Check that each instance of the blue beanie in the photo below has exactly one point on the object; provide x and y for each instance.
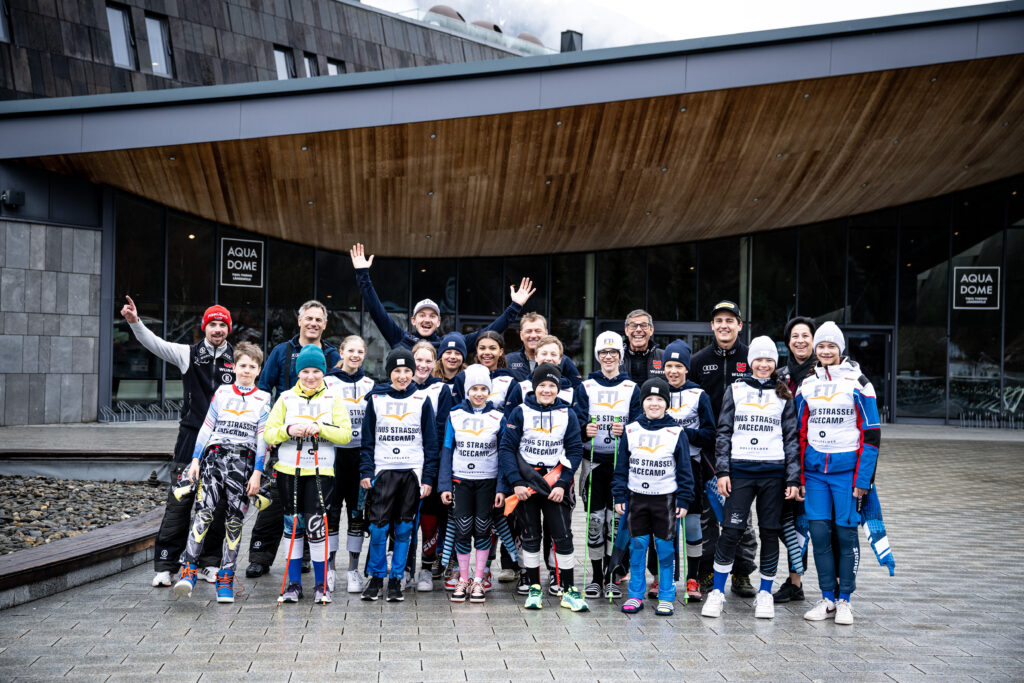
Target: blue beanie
(310, 357)
(453, 340)
(679, 352)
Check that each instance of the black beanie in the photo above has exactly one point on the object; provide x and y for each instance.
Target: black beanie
(544, 372)
(400, 357)
(655, 386)
(799, 320)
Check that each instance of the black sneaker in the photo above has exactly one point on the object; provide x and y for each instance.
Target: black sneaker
(742, 587)
(788, 592)
(255, 569)
(307, 566)
(373, 588)
(707, 582)
(395, 590)
(524, 584)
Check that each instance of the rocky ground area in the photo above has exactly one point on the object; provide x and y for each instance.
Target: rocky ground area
(38, 510)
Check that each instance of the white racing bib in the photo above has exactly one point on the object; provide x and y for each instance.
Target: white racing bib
(238, 417)
(757, 425)
(832, 414)
(475, 454)
(652, 462)
(354, 395)
(499, 390)
(682, 408)
(398, 441)
(566, 394)
(543, 441)
(607, 403)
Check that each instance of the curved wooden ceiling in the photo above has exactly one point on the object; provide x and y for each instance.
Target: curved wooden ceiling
(602, 176)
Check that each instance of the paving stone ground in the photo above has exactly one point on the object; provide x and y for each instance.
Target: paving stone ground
(954, 512)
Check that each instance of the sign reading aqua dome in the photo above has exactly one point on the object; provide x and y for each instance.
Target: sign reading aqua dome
(241, 262)
(976, 288)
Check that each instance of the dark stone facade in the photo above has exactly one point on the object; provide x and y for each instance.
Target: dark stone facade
(62, 48)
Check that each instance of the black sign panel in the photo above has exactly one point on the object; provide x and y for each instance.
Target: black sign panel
(976, 288)
(241, 262)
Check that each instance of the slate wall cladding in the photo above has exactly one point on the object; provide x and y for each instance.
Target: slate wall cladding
(61, 48)
(49, 323)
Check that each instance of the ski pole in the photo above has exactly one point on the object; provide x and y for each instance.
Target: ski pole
(590, 498)
(682, 524)
(323, 505)
(615, 466)
(295, 516)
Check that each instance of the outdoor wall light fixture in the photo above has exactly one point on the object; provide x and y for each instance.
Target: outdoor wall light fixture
(682, 110)
(430, 193)
(172, 158)
(433, 136)
(304, 148)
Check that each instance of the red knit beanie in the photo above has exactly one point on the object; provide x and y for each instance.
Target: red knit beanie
(217, 313)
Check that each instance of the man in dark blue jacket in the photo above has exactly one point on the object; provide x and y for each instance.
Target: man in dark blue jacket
(277, 377)
(532, 328)
(426, 314)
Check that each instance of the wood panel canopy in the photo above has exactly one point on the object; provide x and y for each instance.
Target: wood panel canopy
(602, 176)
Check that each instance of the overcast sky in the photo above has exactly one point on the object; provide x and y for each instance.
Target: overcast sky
(610, 23)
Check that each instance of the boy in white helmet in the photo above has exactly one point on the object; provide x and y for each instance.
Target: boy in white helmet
(606, 401)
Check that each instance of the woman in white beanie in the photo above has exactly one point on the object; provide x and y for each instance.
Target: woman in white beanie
(839, 439)
(757, 458)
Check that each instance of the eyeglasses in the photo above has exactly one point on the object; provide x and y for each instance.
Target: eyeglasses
(638, 326)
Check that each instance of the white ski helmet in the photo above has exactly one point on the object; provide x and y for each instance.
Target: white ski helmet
(608, 341)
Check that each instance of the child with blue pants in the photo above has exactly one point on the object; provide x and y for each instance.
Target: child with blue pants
(654, 477)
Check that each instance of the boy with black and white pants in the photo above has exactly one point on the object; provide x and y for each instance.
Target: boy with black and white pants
(655, 479)
(398, 468)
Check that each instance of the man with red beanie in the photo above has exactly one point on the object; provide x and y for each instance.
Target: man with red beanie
(204, 366)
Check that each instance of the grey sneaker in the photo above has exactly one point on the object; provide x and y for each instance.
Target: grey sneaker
(293, 593)
(321, 596)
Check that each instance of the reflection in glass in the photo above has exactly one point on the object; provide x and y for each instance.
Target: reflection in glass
(480, 291)
(535, 268)
(773, 294)
(718, 268)
(872, 268)
(671, 282)
(1013, 359)
(568, 286)
(434, 279)
(159, 45)
(122, 43)
(621, 276)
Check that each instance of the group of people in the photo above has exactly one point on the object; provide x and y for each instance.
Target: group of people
(484, 453)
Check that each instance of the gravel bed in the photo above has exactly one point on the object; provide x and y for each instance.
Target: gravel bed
(37, 510)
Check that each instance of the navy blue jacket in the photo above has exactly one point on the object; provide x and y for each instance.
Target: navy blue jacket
(508, 451)
(684, 475)
(582, 406)
(519, 365)
(278, 374)
(705, 435)
(396, 336)
(431, 454)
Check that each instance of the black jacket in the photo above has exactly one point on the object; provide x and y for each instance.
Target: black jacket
(519, 366)
(641, 366)
(715, 368)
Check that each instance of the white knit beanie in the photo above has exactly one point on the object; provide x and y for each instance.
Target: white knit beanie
(762, 347)
(608, 341)
(830, 332)
(477, 374)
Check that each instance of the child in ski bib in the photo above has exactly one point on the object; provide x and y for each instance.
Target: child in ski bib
(348, 379)
(840, 435)
(605, 402)
(228, 462)
(549, 350)
(307, 421)
(490, 353)
(542, 437)
(469, 477)
(690, 407)
(757, 457)
(398, 468)
(653, 486)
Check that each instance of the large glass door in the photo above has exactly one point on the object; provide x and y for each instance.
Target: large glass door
(872, 349)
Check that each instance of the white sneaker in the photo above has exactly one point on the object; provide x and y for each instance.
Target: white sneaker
(764, 605)
(332, 577)
(162, 579)
(713, 604)
(825, 609)
(409, 581)
(452, 581)
(844, 612)
(355, 581)
(424, 581)
(207, 574)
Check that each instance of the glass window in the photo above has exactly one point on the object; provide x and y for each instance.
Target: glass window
(122, 41)
(341, 324)
(1013, 359)
(139, 273)
(976, 335)
(568, 288)
(773, 294)
(284, 62)
(336, 281)
(621, 276)
(247, 304)
(923, 305)
(577, 336)
(159, 45)
(535, 268)
(290, 276)
(191, 280)
(5, 22)
(480, 287)
(435, 279)
(311, 65)
(872, 268)
(391, 280)
(672, 282)
(335, 67)
(822, 271)
(718, 271)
